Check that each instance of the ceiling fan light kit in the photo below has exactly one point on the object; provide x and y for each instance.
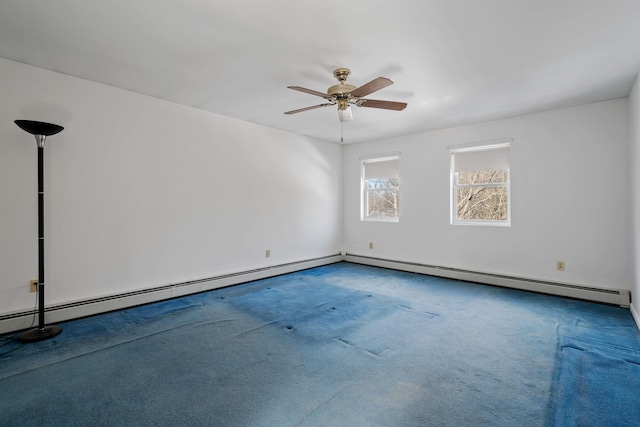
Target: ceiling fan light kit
(345, 115)
(344, 95)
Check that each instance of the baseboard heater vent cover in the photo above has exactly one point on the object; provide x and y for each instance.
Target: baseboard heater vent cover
(16, 321)
(608, 296)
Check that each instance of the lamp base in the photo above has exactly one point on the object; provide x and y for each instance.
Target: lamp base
(40, 334)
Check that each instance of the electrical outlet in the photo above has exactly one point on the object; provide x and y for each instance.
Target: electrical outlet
(267, 253)
(33, 286)
(560, 265)
(370, 245)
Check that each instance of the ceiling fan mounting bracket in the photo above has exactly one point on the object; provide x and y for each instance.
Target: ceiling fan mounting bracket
(342, 74)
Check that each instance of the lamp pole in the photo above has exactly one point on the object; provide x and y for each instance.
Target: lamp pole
(40, 130)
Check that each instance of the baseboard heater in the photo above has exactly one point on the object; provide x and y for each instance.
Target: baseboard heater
(608, 296)
(60, 312)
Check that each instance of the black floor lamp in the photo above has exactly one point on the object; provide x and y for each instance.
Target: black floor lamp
(40, 130)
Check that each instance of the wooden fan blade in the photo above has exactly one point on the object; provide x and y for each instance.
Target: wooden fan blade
(387, 105)
(310, 92)
(307, 108)
(372, 86)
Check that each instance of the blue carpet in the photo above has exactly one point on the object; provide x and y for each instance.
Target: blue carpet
(598, 374)
(340, 345)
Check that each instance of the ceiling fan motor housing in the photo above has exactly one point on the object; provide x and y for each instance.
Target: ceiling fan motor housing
(342, 94)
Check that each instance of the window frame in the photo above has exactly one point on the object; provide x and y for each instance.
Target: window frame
(454, 186)
(364, 190)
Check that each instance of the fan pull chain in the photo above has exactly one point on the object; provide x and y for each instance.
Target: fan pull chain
(341, 131)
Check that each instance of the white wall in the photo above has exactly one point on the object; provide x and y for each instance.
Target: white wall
(634, 117)
(570, 199)
(141, 192)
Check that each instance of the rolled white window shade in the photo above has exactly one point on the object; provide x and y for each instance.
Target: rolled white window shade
(477, 160)
(382, 169)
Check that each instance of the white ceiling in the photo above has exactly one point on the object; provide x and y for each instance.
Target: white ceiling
(453, 61)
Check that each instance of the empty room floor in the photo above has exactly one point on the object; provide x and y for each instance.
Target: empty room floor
(339, 345)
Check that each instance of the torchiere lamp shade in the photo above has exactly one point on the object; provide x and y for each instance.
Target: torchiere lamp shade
(38, 128)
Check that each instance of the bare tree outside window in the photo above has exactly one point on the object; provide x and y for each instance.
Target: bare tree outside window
(382, 198)
(482, 195)
(480, 183)
(381, 188)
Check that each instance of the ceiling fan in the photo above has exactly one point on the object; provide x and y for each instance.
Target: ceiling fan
(345, 95)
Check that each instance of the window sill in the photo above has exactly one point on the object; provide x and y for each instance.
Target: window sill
(483, 223)
(381, 220)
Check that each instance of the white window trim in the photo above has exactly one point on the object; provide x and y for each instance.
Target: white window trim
(363, 190)
(476, 146)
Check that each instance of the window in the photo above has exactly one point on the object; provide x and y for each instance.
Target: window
(381, 188)
(480, 184)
